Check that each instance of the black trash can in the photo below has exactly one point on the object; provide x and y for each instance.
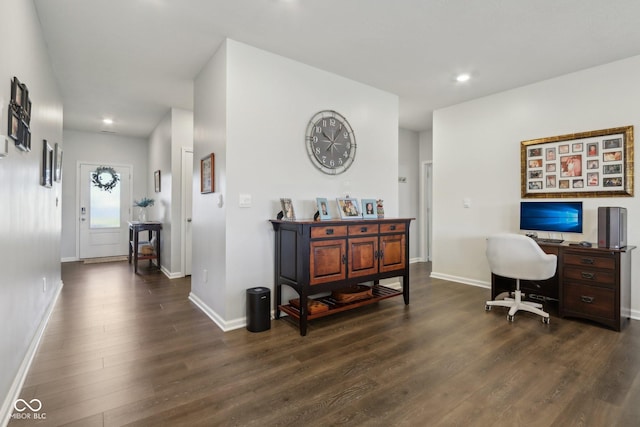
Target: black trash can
(258, 309)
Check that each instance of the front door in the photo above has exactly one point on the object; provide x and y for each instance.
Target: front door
(105, 209)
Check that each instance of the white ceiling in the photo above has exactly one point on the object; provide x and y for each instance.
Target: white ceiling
(132, 60)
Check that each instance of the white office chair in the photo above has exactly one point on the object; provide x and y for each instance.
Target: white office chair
(519, 257)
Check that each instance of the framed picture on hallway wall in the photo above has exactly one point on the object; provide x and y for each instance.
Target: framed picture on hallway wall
(207, 165)
(46, 179)
(156, 181)
(588, 164)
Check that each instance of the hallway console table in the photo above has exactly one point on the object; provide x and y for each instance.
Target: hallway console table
(590, 283)
(317, 258)
(135, 227)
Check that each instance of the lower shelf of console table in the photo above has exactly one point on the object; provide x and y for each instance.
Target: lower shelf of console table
(379, 293)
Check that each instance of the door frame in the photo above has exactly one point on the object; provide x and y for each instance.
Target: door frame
(425, 222)
(78, 189)
(185, 188)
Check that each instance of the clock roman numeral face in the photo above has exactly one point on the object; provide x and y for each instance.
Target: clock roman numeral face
(330, 142)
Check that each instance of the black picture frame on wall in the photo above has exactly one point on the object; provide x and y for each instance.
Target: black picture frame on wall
(17, 93)
(46, 180)
(25, 137)
(14, 126)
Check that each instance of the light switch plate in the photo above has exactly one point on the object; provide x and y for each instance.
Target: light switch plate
(4, 146)
(244, 200)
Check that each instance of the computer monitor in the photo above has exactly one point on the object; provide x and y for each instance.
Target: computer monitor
(561, 217)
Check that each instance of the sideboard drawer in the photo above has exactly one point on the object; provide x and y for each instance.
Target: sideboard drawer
(356, 230)
(392, 227)
(602, 277)
(589, 260)
(589, 300)
(328, 231)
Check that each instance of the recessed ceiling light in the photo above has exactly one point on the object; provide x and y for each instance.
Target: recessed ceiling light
(107, 121)
(463, 78)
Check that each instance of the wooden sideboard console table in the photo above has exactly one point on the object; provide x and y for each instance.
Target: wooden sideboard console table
(319, 257)
(135, 227)
(590, 283)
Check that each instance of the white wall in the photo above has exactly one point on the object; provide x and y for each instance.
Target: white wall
(481, 160)
(208, 274)
(408, 191)
(173, 132)
(29, 213)
(97, 147)
(268, 102)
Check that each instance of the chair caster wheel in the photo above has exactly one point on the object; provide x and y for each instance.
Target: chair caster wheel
(546, 320)
(487, 307)
(510, 318)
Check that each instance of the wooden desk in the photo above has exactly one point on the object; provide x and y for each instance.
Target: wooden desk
(590, 283)
(320, 257)
(135, 227)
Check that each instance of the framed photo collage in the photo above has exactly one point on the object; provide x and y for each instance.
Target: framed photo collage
(589, 164)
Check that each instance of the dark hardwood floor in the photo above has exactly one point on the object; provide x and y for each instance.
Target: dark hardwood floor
(125, 349)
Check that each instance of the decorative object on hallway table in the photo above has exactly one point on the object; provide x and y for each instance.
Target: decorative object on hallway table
(330, 141)
(287, 211)
(105, 178)
(156, 180)
(207, 169)
(323, 208)
(349, 208)
(19, 115)
(369, 210)
(46, 178)
(588, 164)
(142, 206)
(57, 163)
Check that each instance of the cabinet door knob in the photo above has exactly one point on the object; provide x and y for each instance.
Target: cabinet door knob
(344, 259)
(586, 299)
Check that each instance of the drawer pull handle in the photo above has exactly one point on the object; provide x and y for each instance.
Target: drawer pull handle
(586, 275)
(363, 229)
(344, 259)
(587, 261)
(392, 227)
(329, 231)
(586, 299)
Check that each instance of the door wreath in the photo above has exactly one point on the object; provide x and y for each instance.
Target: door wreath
(105, 184)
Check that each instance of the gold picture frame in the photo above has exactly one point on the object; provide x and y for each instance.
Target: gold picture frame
(207, 172)
(587, 164)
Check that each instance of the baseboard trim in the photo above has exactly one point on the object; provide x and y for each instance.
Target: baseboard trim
(458, 279)
(70, 259)
(171, 275)
(219, 321)
(16, 386)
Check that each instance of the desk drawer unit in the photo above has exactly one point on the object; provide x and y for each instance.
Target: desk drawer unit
(591, 286)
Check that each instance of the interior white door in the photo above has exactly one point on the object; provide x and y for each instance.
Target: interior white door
(187, 196)
(104, 210)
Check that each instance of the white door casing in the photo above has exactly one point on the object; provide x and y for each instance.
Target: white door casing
(187, 205)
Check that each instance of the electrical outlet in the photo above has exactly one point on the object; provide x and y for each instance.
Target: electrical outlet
(44, 284)
(205, 276)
